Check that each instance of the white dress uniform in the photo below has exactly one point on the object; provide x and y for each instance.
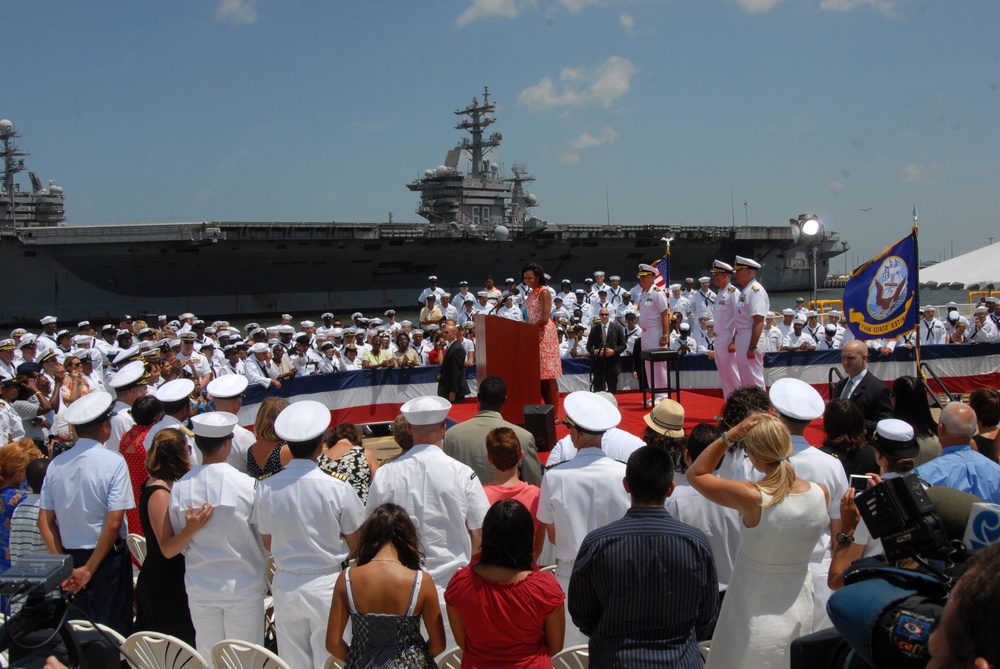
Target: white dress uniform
(291, 506)
(427, 291)
(578, 497)
(652, 303)
(753, 302)
(259, 372)
(568, 298)
(726, 305)
(121, 422)
(308, 364)
(617, 444)
(11, 426)
(703, 302)
(931, 331)
(793, 340)
(772, 338)
(200, 362)
(243, 439)
(983, 333)
(720, 524)
(224, 562)
(170, 421)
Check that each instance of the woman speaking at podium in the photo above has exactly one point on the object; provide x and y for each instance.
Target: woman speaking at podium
(538, 304)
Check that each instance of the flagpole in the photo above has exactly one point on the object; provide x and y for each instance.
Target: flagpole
(916, 294)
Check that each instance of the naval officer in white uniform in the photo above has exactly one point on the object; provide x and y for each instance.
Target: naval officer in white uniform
(309, 519)
(654, 319)
(128, 385)
(227, 394)
(224, 562)
(726, 304)
(753, 306)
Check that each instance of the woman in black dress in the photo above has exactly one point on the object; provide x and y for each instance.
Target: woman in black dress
(161, 598)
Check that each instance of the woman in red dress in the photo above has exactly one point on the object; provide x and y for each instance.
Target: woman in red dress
(538, 304)
(146, 411)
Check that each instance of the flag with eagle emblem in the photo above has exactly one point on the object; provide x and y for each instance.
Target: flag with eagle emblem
(880, 298)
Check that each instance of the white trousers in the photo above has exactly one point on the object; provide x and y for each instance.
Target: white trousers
(301, 612)
(574, 637)
(820, 569)
(218, 618)
(656, 375)
(729, 373)
(751, 369)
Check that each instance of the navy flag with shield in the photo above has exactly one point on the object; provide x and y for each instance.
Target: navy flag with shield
(880, 298)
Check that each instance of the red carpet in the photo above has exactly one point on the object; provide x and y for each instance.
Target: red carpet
(697, 409)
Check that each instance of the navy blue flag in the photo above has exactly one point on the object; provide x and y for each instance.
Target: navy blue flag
(880, 298)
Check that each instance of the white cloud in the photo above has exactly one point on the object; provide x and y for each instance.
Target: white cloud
(485, 8)
(607, 135)
(577, 5)
(237, 11)
(758, 5)
(837, 185)
(886, 7)
(569, 158)
(628, 23)
(582, 87)
(925, 175)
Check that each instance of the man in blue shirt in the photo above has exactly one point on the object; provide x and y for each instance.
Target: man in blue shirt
(959, 466)
(644, 588)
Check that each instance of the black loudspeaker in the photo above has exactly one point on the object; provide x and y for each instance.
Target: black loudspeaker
(540, 421)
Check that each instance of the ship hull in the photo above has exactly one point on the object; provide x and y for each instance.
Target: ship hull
(100, 273)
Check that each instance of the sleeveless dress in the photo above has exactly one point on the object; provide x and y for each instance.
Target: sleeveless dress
(384, 640)
(272, 466)
(548, 339)
(769, 602)
(160, 597)
(132, 449)
(354, 465)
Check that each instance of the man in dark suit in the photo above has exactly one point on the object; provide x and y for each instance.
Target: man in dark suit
(868, 392)
(605, 345)
(451, 381)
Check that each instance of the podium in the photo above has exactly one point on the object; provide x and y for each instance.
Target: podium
(509, 349)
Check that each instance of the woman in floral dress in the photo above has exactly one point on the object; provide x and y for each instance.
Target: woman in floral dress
(539, 307)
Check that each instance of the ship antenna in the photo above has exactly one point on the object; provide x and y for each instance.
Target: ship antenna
(607, 201)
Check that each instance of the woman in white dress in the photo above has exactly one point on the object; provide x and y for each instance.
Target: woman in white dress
(769, 602)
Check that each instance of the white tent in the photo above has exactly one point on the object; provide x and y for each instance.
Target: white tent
(974, 270)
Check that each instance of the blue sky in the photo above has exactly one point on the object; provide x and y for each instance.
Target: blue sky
(255, 110)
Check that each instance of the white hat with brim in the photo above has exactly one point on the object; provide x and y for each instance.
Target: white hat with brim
(302, 421)
(228, 386)
(125, 355)
(745, 263)
(89, 408)
(591, 412)
(174, 391)
(214, 425)
(48, 320)
(426, 410)
(796, 399)
(129, 375)
(259, 347)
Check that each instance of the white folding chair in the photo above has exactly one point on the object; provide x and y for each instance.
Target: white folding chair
(551, 569)
(236, 654)
(450, 659)
(137, 547)
(87, 626)
(574, 657)
(333, 663)
(704, 647)
(152, 650)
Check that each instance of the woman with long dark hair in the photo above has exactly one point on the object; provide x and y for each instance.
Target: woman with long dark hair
(502, 613)
(385, 597)
(909, 404)
(538, 304)
(847, 437)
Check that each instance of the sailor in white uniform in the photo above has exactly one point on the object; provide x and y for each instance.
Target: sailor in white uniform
(330, 362)
(195, 364)
(462, 296)
(128, 385)
(224, 561)
(753, 306)
(931, 329)
(633, 332)
(724, 346)
(177, 410)
(654, 319)
(259, 369)
(680, 303)
(567, 294)
(443, 496)
(289, 507)
(8, 370)
(47, 338)
(983, 330)
(830, 340)
(771, 334)
(308, 361)
(226, 393)
(798, 339)
(583, 494)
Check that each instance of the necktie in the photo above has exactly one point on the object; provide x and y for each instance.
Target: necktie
(846, 393)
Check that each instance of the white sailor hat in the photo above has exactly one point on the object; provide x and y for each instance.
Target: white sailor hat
(799, 299)
(109, 326)
(559, 297)
(667, 418)
(356, 314)
(307, 324)
(831, 328)
(198, 323)
(389, 312)
(704, 279)
(213, 329)
(258, 331)
(174, 391)
(615, 277)
(684, 327)
(833, 313)
(252, 326)
(788, 312)
(350, 332)
(796, 399)
(588, 280)
(991, 300)
(228, 386)
(208, 343)
(416, 332)
(214, 424)
(81, 339)
(598, 273)
(952, 305)
(811, 314)
(426, 410)
(981, 309)
(443, 296)
(286, 329)
(509, 280)
(337, 332)
(580, 291)
(675, 286)
(48, 320)
(302, 421)
(229, 350)
(7, 345)
(482, 293)
(327, 315)
(161, 317)
(259, 347)
(186, 315)
(719, 267)
(127, 354)
(799, 319)
(375, 322)
(745, 263)
(89, 408)
(26, 340)
(565, 281)
(590, 412)
(123, 333)
(711, 321)
(463, 283)
(18, 332)
(62, 333)
(431, 327)
(602, 291)
(325, 345)
(132, 374)
(286, 317)
(929, 307)
(431, 296)
(432, 278)
(894, 439)
(83, 325)
(174, 343)
(770, 316)
(645, 270)
(146, 345)
(631, 312)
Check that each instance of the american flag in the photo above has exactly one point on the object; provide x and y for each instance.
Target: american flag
(662, 276)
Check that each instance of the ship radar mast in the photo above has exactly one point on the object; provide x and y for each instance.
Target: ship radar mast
(480, 117)
(41, 207)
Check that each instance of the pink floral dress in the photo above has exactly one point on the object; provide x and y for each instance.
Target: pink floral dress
(548, 339)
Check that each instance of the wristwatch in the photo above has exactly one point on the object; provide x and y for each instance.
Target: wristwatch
(845, 538)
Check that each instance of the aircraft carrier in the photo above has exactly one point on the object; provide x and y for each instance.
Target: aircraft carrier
(478, 223)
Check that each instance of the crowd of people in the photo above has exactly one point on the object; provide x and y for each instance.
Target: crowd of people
(733, 534)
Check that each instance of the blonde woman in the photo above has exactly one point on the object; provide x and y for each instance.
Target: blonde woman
(769, 602)
(269, 454)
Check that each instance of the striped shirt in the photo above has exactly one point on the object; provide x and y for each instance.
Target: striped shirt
(645, 590)
(24, 535)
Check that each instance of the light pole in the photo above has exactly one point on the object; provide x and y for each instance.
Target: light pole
(746, 215)
(808, 229)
